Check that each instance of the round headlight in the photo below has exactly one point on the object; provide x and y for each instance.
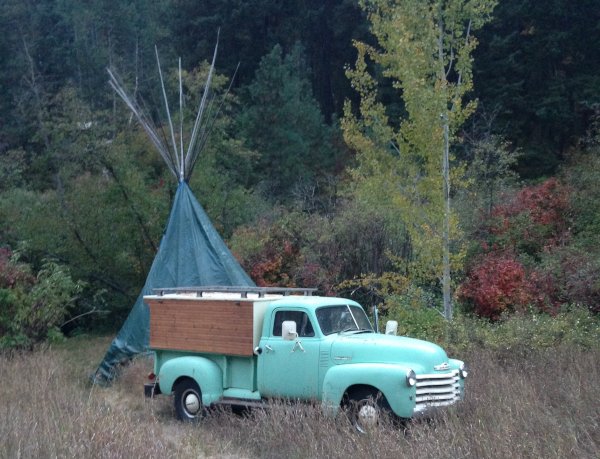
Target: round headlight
(411, 378)
(463, 371)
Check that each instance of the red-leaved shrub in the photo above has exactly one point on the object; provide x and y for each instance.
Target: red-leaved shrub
(535, 220)
(275, 264)
(532, 226)
(496, 283)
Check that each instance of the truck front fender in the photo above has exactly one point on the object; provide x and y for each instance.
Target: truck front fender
(205, 372)
(389, 379)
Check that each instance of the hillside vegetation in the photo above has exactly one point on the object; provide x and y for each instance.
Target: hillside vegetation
(305, 191)
(411, 155)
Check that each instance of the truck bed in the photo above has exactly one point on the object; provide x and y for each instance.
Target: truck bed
(201, 325)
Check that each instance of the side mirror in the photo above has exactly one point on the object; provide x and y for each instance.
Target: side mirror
(391, 327)
(288, 330)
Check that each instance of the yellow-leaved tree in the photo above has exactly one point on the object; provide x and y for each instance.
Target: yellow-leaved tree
(403, 165)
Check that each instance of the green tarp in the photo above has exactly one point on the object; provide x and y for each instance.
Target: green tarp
(191, 253)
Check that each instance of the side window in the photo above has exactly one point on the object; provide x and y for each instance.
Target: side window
(303, 325)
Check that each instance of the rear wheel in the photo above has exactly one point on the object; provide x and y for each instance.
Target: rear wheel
(188, 401)
(366, 408)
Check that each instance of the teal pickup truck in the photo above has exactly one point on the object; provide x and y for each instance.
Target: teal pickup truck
(243, 346)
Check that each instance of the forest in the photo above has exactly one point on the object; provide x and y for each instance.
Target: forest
(325, 167)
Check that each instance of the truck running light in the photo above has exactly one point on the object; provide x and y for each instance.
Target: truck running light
(463, 371)
(151, 376)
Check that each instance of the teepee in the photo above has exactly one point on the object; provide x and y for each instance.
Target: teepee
(191, 252)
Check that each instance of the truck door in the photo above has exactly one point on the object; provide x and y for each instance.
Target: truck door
(289, 368)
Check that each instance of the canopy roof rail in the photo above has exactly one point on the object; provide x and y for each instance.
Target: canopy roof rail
(242, 290)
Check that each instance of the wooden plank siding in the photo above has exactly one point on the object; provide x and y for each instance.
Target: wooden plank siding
(197, 325)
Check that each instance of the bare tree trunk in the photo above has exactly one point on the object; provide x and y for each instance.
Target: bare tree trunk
(446, 279)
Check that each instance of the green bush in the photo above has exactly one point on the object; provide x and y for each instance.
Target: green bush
(524, 332)
(513, 334)
(33, 307)
(416, 315)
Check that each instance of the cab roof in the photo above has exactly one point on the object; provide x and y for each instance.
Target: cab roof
(312, 302)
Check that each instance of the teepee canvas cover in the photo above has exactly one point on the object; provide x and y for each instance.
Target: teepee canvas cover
(191, 252)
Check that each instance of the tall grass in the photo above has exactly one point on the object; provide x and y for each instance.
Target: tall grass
(540, 404)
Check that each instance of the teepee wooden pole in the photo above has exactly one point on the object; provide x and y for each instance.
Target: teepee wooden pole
(162, 83)
(182, 168)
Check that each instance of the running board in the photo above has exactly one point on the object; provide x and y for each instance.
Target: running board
(227, 401)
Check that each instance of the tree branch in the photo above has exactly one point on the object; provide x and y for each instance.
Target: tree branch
(138, 217)
(93, 311)
(466, 43)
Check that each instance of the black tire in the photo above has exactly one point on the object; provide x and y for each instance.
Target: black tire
(188, 401)
(366, 409)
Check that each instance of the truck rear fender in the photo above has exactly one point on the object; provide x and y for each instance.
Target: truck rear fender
(205, 372)
(389, 379)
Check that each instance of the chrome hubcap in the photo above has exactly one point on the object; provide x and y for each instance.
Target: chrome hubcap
(191, 403)
(367, 417)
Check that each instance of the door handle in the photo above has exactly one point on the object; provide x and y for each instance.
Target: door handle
(268, 348)
(297, 344)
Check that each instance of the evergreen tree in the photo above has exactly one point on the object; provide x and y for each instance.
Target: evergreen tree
(539, 66)
(250, 29)
(283, 124)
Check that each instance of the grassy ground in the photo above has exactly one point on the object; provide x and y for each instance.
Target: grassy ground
(540, 404)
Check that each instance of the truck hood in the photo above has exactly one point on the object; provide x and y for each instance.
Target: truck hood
(421, 356)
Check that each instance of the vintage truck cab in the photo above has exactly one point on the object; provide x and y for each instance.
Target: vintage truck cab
(243, 346)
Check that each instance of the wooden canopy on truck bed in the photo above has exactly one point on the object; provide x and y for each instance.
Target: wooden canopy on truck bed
(216, 320)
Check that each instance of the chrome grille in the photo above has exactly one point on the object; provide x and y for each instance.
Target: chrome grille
(437, 389)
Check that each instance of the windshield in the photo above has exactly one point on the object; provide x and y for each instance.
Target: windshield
(345, 318)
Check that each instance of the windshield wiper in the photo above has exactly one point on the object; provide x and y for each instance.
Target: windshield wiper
(355, 331)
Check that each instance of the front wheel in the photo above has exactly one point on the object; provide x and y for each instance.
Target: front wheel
(188, 401)
(366, 409)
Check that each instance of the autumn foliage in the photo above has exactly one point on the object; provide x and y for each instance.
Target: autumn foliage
(281, 253)
(546, 204)
(496, 283)
(512, 272)
(274, 265)
(535, 220)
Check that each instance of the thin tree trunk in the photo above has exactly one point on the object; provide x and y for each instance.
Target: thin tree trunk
(446, 277)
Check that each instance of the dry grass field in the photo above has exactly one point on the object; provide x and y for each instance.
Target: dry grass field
(543, 404)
